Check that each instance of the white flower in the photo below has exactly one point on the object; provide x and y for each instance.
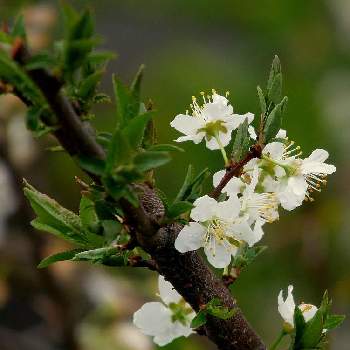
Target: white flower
(214, 121)
(218, 228)
(286, 308)
(297, 177)
(258, 206)
(168, 320)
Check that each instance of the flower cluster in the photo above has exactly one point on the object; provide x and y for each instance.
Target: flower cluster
(247, 202)
(166, 320)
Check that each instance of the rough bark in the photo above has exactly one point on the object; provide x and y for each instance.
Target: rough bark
(187, 272)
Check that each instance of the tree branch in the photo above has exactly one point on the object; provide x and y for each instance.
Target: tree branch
(187, 272)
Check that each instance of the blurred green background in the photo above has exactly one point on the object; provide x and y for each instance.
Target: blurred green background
(187, 47)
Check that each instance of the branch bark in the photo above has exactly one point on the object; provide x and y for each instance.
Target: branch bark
(187, 272)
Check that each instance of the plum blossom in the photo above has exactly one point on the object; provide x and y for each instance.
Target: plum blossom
(217, 227)
(214, 121)
(296, 178)
(286, 308)
(166, 320)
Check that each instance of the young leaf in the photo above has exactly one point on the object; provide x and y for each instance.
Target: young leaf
(92, 165)
(135, 129)
(261, 100)
(274, 120)
(299, 327)
(19, 28)
(135, 89)
(150, 160)
(241, 142)
(333, 321)
(274, 71)
(178, 208)
(87, 214)
(62, 256)
(216, 309)
(199, 320)
(109, 256)
(89, 85)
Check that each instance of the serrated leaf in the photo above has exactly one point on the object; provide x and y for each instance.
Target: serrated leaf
(88, 86)
(274, 120)
(275, 70)
(135, 129)
(178, 208)
(241, 142)
(12, 73)
(199, 320)
(62, 256)
(87, 214)
(109, 256)
(165, 148)
(261, 100)
(274, 94)
(119, 152)
(150, 160)
(92, 165)
(333, 321)
(59, 221)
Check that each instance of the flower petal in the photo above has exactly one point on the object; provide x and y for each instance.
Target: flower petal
(286, 307)
(152, 318)
(217, 177)
(204, 208)
(308, 311)
(274, 150)
(167, 292)
(252, 132)
(187, 124)
(190, 238)
(229, 209)
(218, 253)
(318, 155)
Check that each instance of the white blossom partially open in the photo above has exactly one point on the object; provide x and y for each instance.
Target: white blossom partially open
(296, 178)
(168, 320)
(214, 121)
(286, 308)
(218, 227)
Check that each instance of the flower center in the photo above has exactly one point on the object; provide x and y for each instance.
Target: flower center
(180, 312)
(265, 203)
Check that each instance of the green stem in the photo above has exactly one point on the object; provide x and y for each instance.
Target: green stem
(278, 340)
(222, 149)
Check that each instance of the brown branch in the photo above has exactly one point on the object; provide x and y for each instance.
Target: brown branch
(187, 272)
(235, 169)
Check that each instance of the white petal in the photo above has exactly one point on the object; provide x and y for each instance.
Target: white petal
(234, 186)
(175, 331)
(274, 150)
(311, 167)
(218, 253)
(190, 238)
(187, 124)
(225, 138)
(252, 132)
(152, 318)
(308, 311)
(220, 99)
(229, 209)
(282, 134)
(204, 208)
(244, 232)
(167, 292)
(298, 185)
(318, 155)
(217, 177)
(286, 307)
(237, 119)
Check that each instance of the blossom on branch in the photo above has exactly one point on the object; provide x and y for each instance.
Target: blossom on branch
(214, 121)
(166, 320)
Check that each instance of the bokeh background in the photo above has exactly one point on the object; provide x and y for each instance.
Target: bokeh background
(187, 46)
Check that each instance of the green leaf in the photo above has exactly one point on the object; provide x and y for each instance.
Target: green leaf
(215, 308)
(87, 214)
(92, 165)
(135, 89)
(299, 327)
(179, 208)
(150, 160)
(119, 152)
(241, 143)
(199, 320)
(62, 256)
(88, 86)
(261, 100)
(12, 73)
(59, 221)
(274, 120)
(34, 120)
(19, 28)
(275, 93)
(135, 129)
(165, 148)
(42, 60)
(274, 71)
(313, 330)
(109, 256)
(333, 321)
